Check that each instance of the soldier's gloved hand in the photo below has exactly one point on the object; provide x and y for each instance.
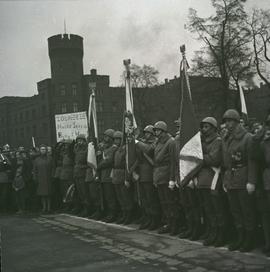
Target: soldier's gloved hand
(127, 184)
(250, 188)
(171, 184)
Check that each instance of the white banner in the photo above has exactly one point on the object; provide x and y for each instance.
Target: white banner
(70, 125)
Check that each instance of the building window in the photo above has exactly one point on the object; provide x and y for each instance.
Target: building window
(101, 126)
(62, 90)
(33, 113)
(64, 108)
(43, 110)
(75, 107)
(22, 132)
(99, 106)
(74, 89)
(34, 130)
(45, 128)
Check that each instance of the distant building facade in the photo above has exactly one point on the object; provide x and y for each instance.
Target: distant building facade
(68, 90)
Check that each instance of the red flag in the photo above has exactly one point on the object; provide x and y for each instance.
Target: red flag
(191, 155)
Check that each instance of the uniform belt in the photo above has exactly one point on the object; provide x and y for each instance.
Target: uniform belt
(161, 164)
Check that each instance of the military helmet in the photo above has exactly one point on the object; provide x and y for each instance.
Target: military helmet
(210, 120)
(109, 132)
(160, 125)
(231, 114)
(149, 129)
(118, 135)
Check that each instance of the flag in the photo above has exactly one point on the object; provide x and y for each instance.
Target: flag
(243, 102)
(92, 113)
(129, 122)
(191, 155)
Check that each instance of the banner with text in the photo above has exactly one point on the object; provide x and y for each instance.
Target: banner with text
(70, 125)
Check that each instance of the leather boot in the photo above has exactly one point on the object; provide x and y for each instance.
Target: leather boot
(221, 237)
(145, 224)
(128, 219)
(121, 219)
(248, 244)
(164, 229)
(239, 241)
(195, 233)
(97, 215)
(186, 234)
(174, 227)
(155, 223)
(211, 238)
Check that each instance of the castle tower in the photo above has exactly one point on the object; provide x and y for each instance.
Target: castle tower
(66, 57)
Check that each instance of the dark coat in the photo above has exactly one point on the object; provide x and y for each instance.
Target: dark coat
(80, 161)
(238, 162)
(106, 163)
(212, 157)
(164, 160)
(265, 147)
(67, 168)
(145, 159)
(42, 172)
(119, 165)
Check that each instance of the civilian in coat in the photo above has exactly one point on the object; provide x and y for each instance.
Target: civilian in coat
(42, 171)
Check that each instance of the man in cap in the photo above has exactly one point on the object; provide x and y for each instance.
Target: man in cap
(104, 168)
(79, 173)
(239, 180)
(164, 177)
(148, 192)
(209, 183)
(121, 181)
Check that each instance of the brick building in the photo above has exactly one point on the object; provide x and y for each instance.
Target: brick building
(68, 91)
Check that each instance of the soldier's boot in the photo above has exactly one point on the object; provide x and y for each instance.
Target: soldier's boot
(111, 217)
(174, 227)
(164, 229)
(155, 223)
(186, 234)
(196, 233)
(129, 218)
(206, 233)
(238, 242)
(83, 212)
(210, 240)
(221, 237)
(248, 244)
(97, 215)
(146, 223)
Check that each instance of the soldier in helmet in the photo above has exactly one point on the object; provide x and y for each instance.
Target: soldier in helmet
(209, 184)
(149, 196)
(79, 173)
(104, 167)
(164, 177)
(239, 180)
(121, 181)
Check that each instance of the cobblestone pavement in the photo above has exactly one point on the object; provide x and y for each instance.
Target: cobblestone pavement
(69, 243)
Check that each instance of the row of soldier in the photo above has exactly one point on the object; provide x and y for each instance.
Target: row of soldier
(234, 212)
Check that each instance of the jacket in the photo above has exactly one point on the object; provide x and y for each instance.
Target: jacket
(106, 163)
(80, 161)
(119, 165)
(212, 157)
(238, 163)
(145, 160)
(164, 160)
(265, 147)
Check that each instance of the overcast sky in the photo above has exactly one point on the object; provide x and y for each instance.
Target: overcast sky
(147, 31)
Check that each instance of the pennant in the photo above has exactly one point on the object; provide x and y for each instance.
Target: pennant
(129, 122)
(243, 103)
(191, 155)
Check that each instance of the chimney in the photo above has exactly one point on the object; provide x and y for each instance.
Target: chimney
(93, 72)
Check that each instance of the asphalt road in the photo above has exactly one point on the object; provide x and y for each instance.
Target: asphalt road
(64, 243)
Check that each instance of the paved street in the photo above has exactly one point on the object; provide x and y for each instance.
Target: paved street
(67, 243)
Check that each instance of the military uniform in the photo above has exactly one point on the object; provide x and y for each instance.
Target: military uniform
(239, 169)
(148, 192)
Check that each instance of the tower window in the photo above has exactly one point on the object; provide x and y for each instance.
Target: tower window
(75, 107)
(62, 90)
(64, 108)
(74, 89)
